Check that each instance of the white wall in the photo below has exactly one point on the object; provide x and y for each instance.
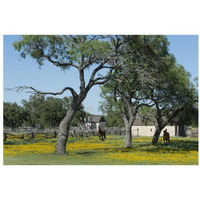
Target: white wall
(150, 130)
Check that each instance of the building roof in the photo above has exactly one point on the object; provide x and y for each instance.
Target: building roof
(95, 118)
(139, 121)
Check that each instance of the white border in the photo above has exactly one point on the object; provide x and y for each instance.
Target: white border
(98, 17)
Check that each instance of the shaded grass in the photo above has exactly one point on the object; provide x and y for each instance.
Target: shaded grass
(92, 151)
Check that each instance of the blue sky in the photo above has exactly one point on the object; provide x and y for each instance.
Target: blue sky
(185, 49)
(25, 72)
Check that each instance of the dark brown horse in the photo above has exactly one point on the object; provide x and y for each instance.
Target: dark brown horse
(101, 133)
(166, 136)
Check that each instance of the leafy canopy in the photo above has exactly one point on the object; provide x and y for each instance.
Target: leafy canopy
(63, 51)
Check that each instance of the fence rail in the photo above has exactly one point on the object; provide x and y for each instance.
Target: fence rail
(38, 134)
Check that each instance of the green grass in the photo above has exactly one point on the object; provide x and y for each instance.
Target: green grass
(92, 151)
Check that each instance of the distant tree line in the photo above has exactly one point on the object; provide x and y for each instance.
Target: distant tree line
(39, 111)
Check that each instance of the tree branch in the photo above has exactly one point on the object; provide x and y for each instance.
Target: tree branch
(35, 91)
(96, 81)
(101, 66)
(169, 119)
(60, 64)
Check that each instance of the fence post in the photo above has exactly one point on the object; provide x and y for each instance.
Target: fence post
(22, 136)
(26, 134)
(87, 133)
(46, 134)
(4, 136)
(32, 134)
(55, 133)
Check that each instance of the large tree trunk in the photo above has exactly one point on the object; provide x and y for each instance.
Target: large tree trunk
(128, 119)
(64, 132)
(128, 136)
(65, 126)
(62, 138)
(156, 136)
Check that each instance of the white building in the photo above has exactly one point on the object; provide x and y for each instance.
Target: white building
(145, 130)
(141, 128)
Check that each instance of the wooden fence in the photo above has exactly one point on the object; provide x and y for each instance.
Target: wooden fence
(194, 134)
(39, 134)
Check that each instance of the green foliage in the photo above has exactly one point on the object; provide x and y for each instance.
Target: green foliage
(52, 112)
(150, 76)
(13, 115)
(63, 50)
(110, 108)
(113, 119)
(143, 72)
(130, 84)
(33, 110)
(189, 116)
(174, 92)
(38, 110)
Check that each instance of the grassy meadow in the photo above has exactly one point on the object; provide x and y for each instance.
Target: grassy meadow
(92, 151)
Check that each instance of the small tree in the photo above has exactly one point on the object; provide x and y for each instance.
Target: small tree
(33, 110)
(13, 115)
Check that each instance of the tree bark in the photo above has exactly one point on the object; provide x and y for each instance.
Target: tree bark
(64, 133)
(156, 136)
(128, 136)
(65, 126)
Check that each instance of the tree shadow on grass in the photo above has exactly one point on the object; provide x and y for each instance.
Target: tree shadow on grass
(173, 146)
(86, 152)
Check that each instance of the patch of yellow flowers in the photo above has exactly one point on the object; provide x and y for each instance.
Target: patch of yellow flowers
(111, 150)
